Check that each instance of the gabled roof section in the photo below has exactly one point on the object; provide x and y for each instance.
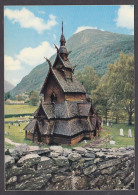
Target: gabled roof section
(65, 63)
(39, 111)
(67, 109)
(47, 108)
(69, 85)
(31, 126)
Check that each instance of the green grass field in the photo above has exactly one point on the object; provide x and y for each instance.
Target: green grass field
(19, 109)
(15, 135)
(114, 133)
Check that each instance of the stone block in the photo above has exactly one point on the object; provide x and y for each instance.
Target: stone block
(34, 183)
(29, 160)
(56, 149)
(11, 180)
(9, 161)
(79, 150)
(45, 163)
(109, 163)
(15, 171)
(74, 157)
(89, 170)
(61, 161)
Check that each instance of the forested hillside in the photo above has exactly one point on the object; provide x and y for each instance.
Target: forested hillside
(89, 48)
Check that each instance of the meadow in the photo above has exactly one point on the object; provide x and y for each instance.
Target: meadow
(19, 109)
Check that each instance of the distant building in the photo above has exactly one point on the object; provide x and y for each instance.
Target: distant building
(14, 101)
(66, 116)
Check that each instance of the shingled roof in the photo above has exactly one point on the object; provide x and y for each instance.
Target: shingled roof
(65, 63)
(70, 127)
(73, 86)
(47, 108)
(67, 109)
(31, 126)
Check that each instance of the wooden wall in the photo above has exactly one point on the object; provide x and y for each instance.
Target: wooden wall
(77, 139)
(29, 136)
(53, 86)
(60, 140)
(75, 96)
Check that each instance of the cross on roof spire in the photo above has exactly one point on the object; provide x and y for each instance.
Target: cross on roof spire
(62, 38)
(62, 27)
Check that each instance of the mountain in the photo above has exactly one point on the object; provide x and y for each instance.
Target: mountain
(8, 86)
(89, 48)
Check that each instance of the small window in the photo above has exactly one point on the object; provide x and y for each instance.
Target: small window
(53, 97)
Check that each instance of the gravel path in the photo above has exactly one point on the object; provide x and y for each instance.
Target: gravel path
(11, 142)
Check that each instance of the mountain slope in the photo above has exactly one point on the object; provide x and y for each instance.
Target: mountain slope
(89, 48)
(8, 86)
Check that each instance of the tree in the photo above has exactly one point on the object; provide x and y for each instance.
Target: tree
(34, 98)
(7, 96)
(88, 78)
(20, 98)
(120, 82)
(100, 98)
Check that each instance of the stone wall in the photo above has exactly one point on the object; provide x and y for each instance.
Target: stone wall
(57, 168)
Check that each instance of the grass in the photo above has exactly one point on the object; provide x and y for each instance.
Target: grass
(12, 119)
(19, 109)
(15, 135)
(8, 146)
(114, 133)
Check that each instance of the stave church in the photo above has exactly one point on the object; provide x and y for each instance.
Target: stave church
(66, 114)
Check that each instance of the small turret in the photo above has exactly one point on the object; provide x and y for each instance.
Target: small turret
(62, 50)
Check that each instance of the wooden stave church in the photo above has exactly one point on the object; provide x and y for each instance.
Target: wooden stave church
(66, 116)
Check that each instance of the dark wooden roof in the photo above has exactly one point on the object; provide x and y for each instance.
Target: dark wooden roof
(48, 109)
(65, 63)
(31, 126)
(62, 127)
(70, 127)
(73, 86)
(67, 109)
(84, 109)
(67, 85)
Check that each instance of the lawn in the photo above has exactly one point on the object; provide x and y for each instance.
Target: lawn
(19, 109)
(17, 134)
(114, 133)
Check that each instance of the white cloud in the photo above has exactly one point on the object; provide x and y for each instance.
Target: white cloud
(11, 64)
(125, 17)
(27, 19)
(81, 28)
(34, 56)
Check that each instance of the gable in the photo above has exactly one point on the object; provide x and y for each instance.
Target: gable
(39, 112)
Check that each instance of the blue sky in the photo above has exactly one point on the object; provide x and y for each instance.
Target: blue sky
(30, 31)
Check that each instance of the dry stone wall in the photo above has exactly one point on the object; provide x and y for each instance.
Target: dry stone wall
(57, 168)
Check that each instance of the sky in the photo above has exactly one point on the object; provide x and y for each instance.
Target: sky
(30, 32)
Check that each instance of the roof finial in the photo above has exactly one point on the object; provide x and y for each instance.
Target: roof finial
(62, 27)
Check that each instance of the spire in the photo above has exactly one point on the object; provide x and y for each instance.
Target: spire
(62, 27)
(62, 38)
